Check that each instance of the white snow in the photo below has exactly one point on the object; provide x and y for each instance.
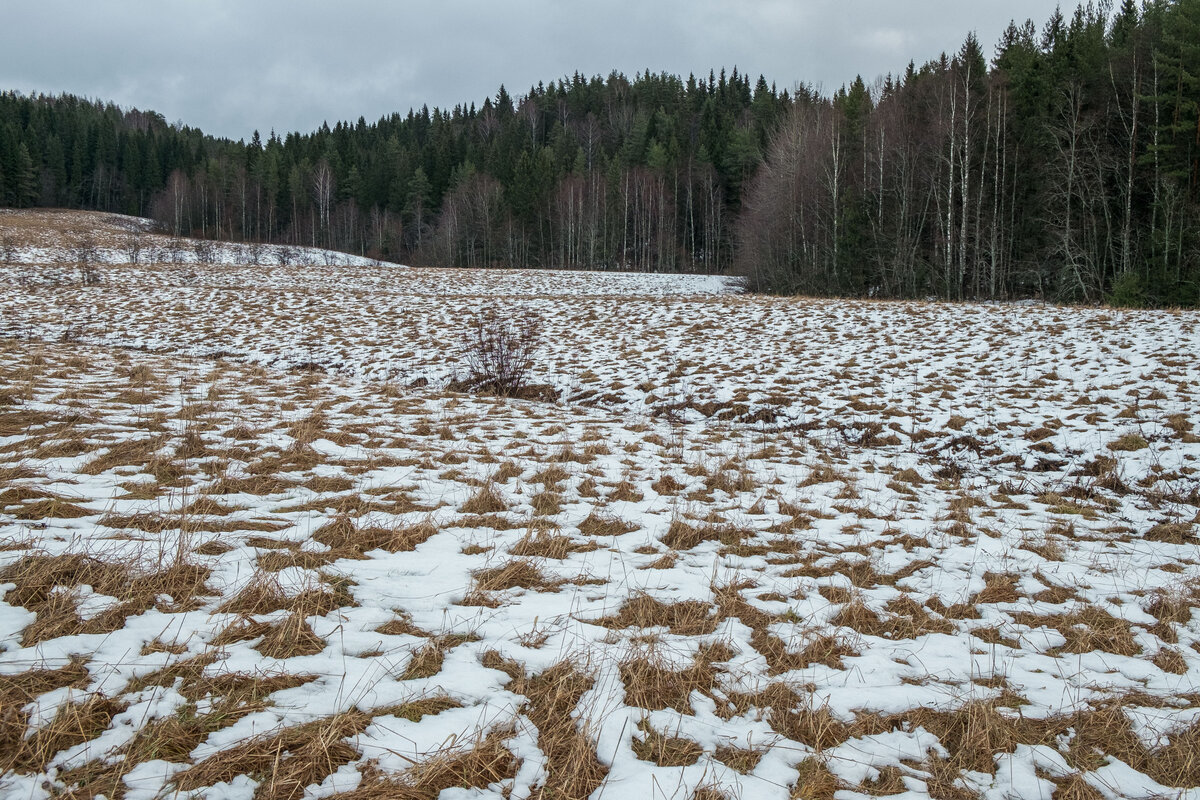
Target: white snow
(845, 441)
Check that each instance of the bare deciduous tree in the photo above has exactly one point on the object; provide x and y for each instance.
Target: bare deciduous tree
(323, 192)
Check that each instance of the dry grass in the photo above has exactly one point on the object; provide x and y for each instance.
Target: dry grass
(263, 594)
(474, 764)
(814, 781)
(625, 491)
(1129, 443)
(976, 732)
(1170, 607)
(1168, 659)
(284, 762)
(488, 500)
(289, 638)
(426, 661)
(664, 750)
(906, 619)
(788, 510)
(349, 540)
(417, 709)
(51, 508)
(683, 536)
(573, 770)
(402, 625)
(654, 682)
(1075, 787)
(798, 718)
(1087, 628)
(131, 452)
(75, 723)
(1173, 533)
(600, 524)
(548, 545)
(43, 584)
(17, 691)
(686, 618)
(515, 574)
(227, 699)
(998, 588)
(743, 760)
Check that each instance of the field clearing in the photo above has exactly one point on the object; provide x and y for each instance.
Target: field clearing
(251, 546)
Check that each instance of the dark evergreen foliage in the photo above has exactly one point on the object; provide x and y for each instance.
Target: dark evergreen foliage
(586, 172)
(1068, 168)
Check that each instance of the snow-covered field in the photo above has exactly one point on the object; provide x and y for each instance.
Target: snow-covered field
(251, 546)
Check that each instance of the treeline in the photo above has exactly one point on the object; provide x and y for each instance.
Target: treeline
(1067, 169)
(588, 172)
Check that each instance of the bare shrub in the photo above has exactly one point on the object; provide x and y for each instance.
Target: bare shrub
(133, 243)
(173, 250)
(499, 353)
(205, 251)
(254, 252)
(85, 253)
(8, 249)
(286, 255)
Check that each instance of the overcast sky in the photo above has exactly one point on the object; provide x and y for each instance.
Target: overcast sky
(233, 67)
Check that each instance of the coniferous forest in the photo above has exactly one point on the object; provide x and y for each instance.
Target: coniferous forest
(1065, 164)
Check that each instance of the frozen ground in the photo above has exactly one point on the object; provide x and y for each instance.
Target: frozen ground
(250, 545)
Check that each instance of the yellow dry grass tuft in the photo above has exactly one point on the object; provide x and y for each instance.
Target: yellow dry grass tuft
(685, 618)
(515, 574)
(289, 638)
(346, 539)
(653, 682)
(573, 770)
(476, 764)
(17, 691)
(1087, 628)
(600, 524)
(75, 723)
(664, 750)
(43, 584)
(284, 762)
(488, 500)
(426, 661)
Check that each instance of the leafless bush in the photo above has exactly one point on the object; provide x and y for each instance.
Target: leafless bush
(499, 352)
(174, 250)
(133, 245)
(85, 253)
(8, 254)
(254, 252)
(286, 254)
(8, 250)
(205, 251)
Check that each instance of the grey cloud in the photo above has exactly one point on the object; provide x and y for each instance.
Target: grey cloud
(233, 67)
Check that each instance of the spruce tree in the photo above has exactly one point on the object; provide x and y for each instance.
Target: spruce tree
(24, 180)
